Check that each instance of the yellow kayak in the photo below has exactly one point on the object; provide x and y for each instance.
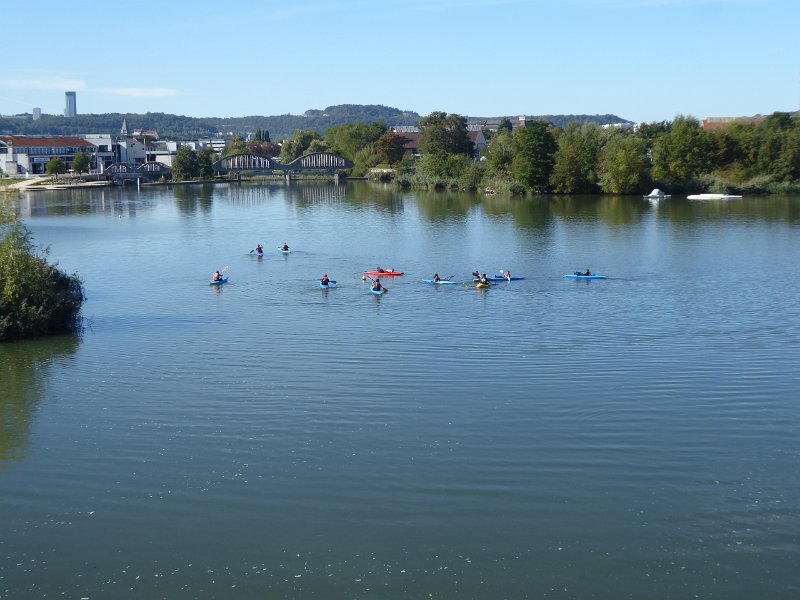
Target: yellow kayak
(480, 285)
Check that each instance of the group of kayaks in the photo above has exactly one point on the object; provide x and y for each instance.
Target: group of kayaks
(480, 282)
(378, 289)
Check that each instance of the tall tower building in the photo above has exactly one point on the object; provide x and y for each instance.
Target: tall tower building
(37, 113)
(71, 108)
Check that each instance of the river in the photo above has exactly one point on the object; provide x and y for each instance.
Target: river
(633, 437)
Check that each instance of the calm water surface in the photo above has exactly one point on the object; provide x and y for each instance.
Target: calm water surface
(635, 437)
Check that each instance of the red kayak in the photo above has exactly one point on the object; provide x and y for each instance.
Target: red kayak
(383, 273)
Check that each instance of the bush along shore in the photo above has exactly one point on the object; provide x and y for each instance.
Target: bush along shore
(36, 298)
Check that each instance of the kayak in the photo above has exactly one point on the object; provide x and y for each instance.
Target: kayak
(259, 254)
(282, 251)
(480, 285)
(218, 281)
(383, 273)
(325, 286)
(576, 276)
(440, 282)
(379, 292)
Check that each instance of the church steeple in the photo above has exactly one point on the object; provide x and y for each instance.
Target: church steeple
(124, 129)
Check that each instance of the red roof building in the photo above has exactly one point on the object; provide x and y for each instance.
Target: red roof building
(24, 154)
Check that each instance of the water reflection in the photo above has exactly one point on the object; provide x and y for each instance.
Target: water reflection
(762, 208)
(440, 206)
(23, 371)
(191, 199)
(59, 203)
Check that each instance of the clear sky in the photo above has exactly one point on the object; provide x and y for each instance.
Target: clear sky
(644, 60)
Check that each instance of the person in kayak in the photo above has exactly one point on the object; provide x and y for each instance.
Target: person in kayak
(588, 273)
(507, 275)
(260, 249)
(436, 277)
(476, 275)
(325, 280)
(484, 279)
(217, 276)
(379, 270)
(377, 285)
(285, 247)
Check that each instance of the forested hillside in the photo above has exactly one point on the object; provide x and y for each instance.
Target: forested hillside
(279, 127)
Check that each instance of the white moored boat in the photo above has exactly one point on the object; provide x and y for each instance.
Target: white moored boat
(657, 194)
(712, 197)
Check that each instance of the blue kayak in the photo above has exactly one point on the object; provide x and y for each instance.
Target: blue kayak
(379, 292)
(218, 281)
(325, 286)
(282, 251)
(576, 276)
(440, 282)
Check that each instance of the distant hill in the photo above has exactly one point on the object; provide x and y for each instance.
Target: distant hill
(279, 127)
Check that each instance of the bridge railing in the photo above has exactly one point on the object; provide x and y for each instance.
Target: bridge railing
(314, 161)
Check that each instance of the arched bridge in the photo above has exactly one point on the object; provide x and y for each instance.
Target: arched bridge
(315, 161)
(149, 171)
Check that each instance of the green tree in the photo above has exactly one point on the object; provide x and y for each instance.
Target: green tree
(440, 165)
(36, 298)
(682, 153)
(296, 147)
(623, 166)
(575, 169)
(390, 147)
(80, 163)
(499, 155)
(55, 167)
(365, 159)
(445, 133)
(505, 126)
(534, 156)
(787, 164)
(205, 163)
(317, 146)
(185, 164)
(350, 138)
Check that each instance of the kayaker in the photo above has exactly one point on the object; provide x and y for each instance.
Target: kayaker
(260, 249)
(379, 270)
(325, 280)
(217, 275)
(476, 275)
(484, 279)
(588, 273)
(507, 275)
(285, 246)
(436, 277)
(377, 285)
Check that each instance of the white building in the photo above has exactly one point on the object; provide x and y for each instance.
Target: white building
(23, 154)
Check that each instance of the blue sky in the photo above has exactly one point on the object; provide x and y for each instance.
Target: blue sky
(644, 60)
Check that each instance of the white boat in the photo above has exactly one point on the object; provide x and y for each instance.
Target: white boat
(657, 194)
(712, 197)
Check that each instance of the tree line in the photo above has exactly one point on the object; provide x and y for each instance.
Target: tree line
(587, 159)
(580, 158)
